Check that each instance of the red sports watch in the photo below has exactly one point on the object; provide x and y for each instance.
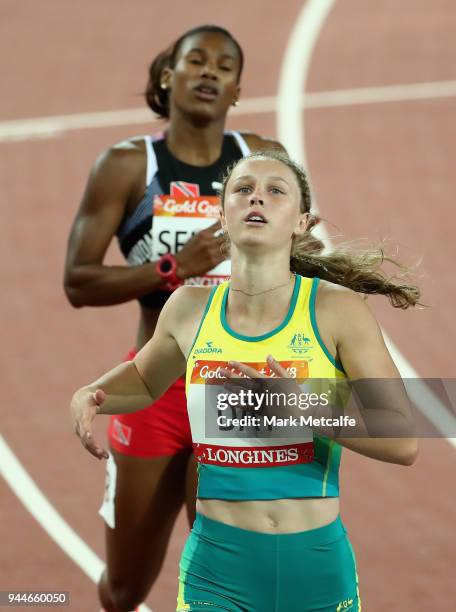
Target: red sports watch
(166, 269)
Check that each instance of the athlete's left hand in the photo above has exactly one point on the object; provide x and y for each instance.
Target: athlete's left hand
(85, 405)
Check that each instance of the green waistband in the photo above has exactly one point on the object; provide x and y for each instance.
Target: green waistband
(217, 530)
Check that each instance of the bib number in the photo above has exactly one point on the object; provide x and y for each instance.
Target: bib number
(176, 220)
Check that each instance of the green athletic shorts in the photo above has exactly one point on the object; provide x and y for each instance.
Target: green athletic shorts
(227, 568)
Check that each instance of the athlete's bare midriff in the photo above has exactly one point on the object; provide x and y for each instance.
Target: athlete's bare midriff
(272, 516)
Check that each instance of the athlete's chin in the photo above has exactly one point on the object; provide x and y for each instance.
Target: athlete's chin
(206, 111)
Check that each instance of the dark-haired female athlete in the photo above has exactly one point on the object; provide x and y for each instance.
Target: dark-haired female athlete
(268, 536)
(157, 194)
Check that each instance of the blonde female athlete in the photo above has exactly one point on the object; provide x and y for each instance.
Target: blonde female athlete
(157, 194)
(268, 536)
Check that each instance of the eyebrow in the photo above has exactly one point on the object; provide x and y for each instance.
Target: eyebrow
(249, 177)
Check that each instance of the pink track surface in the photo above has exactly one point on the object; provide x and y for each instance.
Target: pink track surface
(379, 170)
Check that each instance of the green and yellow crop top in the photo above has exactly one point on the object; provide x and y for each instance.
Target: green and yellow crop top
(259, 468)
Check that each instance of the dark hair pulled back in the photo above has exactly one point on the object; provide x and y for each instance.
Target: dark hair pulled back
(157, 98)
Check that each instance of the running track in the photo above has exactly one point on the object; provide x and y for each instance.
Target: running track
(378, 136)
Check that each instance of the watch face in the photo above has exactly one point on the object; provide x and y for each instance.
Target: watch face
(166, 265)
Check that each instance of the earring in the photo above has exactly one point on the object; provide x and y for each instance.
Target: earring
(163, 86)
(236, 103)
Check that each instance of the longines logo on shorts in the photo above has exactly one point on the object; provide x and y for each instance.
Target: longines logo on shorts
(300, 344)
(208, 349)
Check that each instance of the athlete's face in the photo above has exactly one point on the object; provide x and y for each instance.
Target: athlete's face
(204, 81)
(262, 205)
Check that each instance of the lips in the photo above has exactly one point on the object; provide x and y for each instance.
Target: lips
(255, 217)
(206, 92)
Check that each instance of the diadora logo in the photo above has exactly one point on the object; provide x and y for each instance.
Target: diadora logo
(209, 348)
(300, 344)
(347, 604)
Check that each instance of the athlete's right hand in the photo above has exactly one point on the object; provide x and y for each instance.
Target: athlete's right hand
(84, 406)
(202, 252)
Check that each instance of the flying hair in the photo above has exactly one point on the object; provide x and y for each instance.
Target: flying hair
(347, 265)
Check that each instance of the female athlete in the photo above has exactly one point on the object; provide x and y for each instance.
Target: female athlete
(268, 535)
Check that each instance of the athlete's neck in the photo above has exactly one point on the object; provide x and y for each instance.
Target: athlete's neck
(195, 143)
(261, 287)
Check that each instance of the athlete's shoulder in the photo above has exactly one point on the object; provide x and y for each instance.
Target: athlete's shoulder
(192, 293)
(344, 308)
(183, 313)
(259, 143)
(126, 155)
(192, 298)
(188, 302)
(339, 296)
(129, 149)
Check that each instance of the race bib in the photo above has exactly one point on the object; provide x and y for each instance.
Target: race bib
(175, 220)
(250, 419)
(206, 371)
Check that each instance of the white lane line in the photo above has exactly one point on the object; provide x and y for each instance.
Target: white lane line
(293, 75)
(50, 520)
(47, 516)
(54, 127)
(376, 95)
(291, 131)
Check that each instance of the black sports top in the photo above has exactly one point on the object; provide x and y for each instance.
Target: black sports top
(169, 180)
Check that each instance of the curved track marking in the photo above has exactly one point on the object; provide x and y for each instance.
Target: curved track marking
(293, 75)
(47, 516)
(50, 520)
(291, 132)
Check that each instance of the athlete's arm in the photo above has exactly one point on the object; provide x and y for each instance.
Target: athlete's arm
(258, 143)
(134, 385)
(112, 184)
(353, 331)
(116, 180)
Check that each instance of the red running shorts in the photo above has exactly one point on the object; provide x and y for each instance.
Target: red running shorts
(160, 429)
